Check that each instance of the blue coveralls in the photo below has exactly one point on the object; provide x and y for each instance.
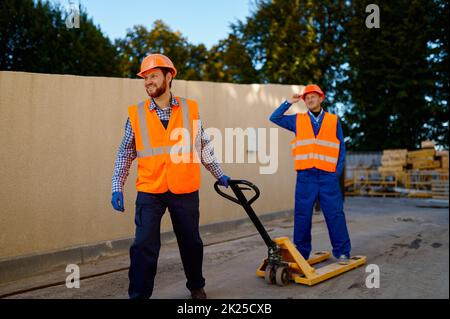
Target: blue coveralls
(313, 184)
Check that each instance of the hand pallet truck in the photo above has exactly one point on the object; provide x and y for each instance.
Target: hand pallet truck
(284, 262)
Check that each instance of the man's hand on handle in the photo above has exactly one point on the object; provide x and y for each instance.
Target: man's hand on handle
(224, 180)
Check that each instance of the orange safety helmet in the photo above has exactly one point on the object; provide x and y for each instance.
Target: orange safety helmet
(153, 61)
(312, 88)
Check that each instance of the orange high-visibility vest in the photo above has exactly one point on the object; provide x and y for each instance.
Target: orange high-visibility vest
(310, 151)
(167, 159)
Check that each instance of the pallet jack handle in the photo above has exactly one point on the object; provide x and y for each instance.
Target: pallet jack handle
(234, 184)
(240, 199)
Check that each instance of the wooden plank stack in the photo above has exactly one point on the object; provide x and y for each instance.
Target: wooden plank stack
(428, 144)
(393, 161)
(443, 157)
(439, 189)
(423, 159)
(427, 158)
(417, 173)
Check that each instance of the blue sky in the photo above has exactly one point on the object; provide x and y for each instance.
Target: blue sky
(200, 21)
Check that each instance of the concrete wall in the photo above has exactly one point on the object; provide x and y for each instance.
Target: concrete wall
(59, 136)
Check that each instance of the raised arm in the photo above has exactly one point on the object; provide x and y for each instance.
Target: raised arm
(285, 121)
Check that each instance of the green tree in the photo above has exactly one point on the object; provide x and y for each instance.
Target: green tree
(397, 80)
(139, 42)
(229, 61)
(391, 83)
(296, 41)
(34, 38)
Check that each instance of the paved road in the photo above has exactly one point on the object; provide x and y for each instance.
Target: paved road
(409, 244)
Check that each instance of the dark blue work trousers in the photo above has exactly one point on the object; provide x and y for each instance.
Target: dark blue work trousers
(184, 213)
(312, 185)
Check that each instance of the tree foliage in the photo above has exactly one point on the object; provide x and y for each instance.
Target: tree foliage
(397, 80)
(230, 61)
(34, 38)
(390, 85)
(139, 42)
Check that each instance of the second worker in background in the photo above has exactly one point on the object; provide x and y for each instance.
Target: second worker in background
(319, 154)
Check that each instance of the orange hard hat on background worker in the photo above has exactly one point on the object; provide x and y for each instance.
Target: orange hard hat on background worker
(310, 88)
(154, 61)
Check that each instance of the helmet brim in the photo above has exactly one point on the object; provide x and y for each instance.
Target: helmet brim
(305, 94)
(142, 73)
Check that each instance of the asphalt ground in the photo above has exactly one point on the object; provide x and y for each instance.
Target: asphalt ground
(407, 240)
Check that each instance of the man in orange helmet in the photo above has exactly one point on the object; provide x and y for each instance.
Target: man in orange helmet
(165, 134)
(319, 154)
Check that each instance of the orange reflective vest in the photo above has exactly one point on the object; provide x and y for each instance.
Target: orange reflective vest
(321, 152)
(167, 160)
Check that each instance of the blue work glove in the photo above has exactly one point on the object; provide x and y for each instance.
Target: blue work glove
(224, 180)
(117, 201)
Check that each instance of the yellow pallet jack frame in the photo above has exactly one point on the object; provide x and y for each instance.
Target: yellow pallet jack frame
(284, 262)
(301, 270)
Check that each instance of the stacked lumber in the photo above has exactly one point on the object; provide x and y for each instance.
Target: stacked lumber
(393, 160)
(443, 157)
(439, 189)
(416, 173)
(428, 144)
(426, 158)
(423, 159)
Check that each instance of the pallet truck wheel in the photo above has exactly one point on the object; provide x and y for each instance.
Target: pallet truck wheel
(282, 276)
(269, 275)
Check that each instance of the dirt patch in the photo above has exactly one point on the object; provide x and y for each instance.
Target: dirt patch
(358, 285)
(405, 219)
(415, 244)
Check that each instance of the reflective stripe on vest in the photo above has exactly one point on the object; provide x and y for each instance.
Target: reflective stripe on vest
(316, 156)
(152, 151)
(315, 141)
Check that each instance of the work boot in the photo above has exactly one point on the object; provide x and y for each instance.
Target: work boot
(198, 293)
(343, 260)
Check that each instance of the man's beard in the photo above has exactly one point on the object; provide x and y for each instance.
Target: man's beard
(159, 91)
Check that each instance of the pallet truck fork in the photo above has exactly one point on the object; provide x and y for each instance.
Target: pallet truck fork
(284, 262)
